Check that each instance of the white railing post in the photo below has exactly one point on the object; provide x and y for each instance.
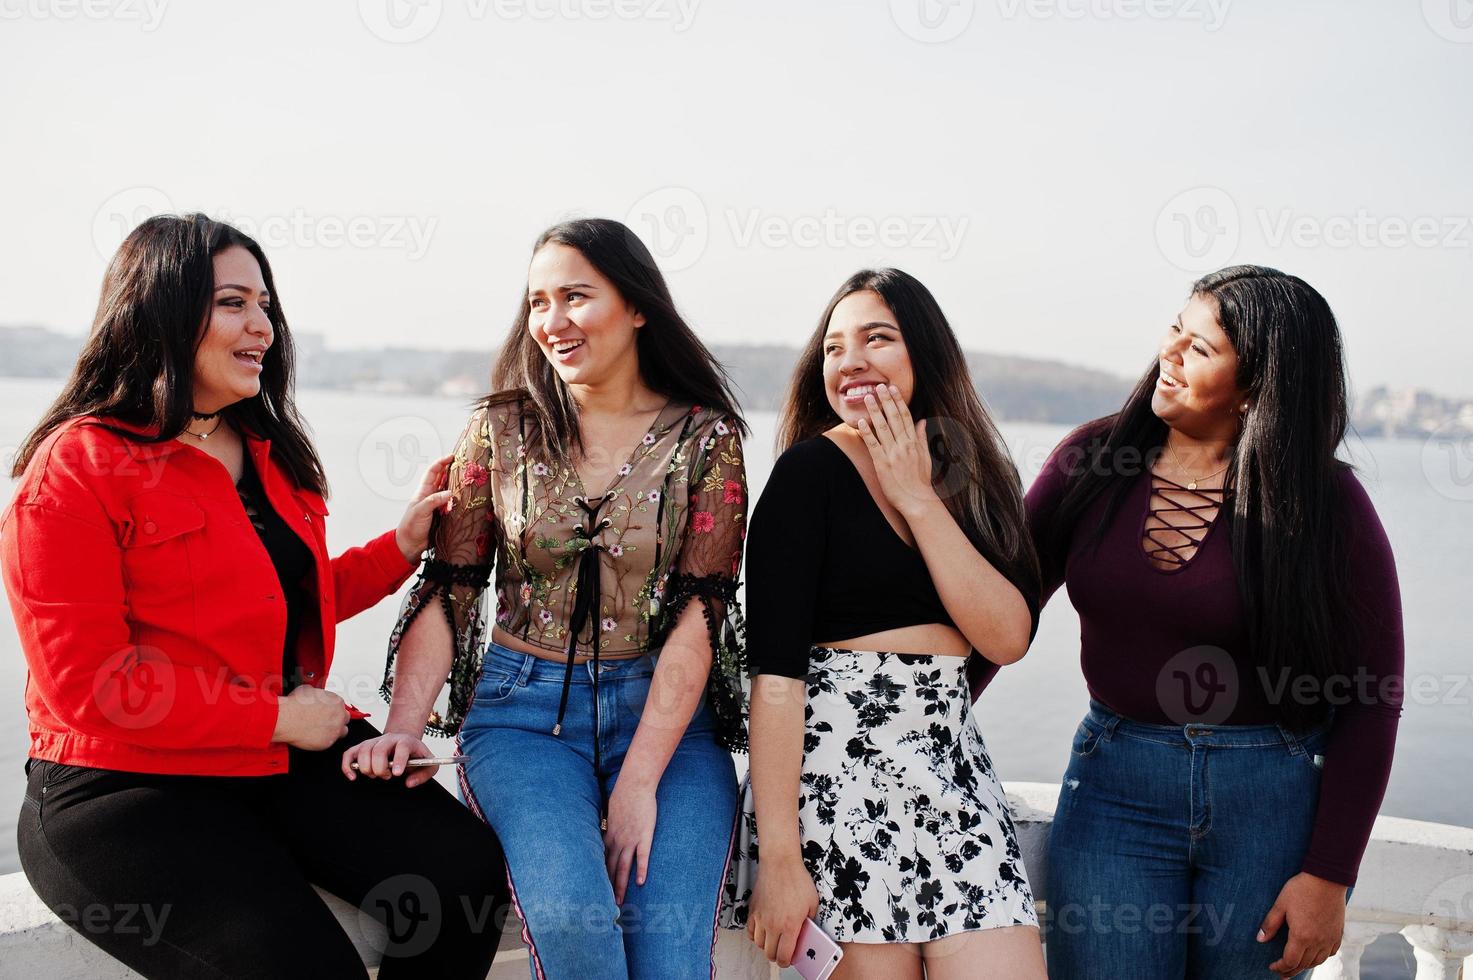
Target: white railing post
(1440, 953)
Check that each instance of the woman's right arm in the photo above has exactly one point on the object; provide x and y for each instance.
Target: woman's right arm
(785, 550)
(438, 631)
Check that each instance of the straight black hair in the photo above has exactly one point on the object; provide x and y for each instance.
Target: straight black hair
(969, 460)
(1287, 544)
(137, 364)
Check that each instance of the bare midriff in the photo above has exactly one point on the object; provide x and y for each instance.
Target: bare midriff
(927, 638)
(504, 639)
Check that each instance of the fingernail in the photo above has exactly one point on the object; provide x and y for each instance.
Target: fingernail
(1261, 936)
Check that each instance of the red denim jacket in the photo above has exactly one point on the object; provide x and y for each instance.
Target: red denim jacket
(149, 612)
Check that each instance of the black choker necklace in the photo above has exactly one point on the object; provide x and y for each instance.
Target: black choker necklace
(204, 417)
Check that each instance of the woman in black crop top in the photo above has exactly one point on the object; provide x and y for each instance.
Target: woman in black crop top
(885, 559)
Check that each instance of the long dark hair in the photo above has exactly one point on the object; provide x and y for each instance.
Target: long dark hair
(137, 365)
(968, 455)
(672, 359)
(1283, 472)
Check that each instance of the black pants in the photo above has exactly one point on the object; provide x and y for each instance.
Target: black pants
(208, 876)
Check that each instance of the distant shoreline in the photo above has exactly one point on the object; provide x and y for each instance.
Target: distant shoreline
(1015, 389)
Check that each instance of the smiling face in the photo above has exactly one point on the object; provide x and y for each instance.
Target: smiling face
(1197, 392)
(227, 364)
(863, 348)
(583, 325)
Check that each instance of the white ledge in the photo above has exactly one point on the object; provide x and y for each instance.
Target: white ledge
(1416, 879)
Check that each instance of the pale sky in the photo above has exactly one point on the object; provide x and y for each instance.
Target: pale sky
(1056, 171)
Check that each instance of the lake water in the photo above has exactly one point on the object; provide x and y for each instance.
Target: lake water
(374, 449)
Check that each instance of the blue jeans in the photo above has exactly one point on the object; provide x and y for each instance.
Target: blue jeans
(541, 795)
(1170, 844)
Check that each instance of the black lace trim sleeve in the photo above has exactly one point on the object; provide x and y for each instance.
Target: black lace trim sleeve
(727, 629)
(462, 591)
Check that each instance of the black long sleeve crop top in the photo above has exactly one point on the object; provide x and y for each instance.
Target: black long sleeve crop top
(823, 563)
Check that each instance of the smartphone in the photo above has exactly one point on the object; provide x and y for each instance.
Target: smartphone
(816, 955)
(450, 760)
(453, 760)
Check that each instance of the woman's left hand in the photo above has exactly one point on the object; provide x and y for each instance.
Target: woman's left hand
(1314, 911)
(413, 533)
(898, 448)
(630, 836)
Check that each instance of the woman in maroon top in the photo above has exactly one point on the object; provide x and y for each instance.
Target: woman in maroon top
(1241, 638)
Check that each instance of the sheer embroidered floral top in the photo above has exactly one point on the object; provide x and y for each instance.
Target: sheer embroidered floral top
(595, 575)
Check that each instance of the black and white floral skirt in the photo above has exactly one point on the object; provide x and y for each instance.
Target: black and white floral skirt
(903, 824)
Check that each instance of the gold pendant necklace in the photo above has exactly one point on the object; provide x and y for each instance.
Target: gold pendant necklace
(1192, 485)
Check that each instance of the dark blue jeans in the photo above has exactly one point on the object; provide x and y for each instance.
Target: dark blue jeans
(1170, 844)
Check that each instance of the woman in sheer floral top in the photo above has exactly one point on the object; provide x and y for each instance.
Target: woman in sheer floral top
(604, 482)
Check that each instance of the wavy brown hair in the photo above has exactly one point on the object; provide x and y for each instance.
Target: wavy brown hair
(672, 359)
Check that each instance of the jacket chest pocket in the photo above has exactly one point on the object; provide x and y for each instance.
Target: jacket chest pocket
(162, 546)
(311, 516)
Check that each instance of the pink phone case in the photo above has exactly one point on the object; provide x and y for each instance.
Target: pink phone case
(816, 954)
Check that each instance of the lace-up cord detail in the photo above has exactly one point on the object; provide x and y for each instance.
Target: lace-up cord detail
(1157, 531)
(588, 598)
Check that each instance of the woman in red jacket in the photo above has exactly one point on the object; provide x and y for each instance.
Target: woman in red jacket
(166, 561)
